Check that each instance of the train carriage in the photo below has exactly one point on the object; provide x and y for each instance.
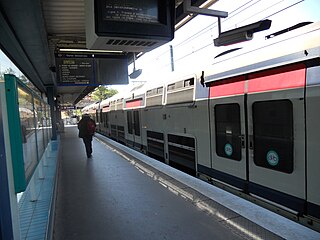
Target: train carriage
(249, 122)
(259, 120)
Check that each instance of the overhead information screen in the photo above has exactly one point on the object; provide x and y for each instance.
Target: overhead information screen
(75, 69)
(129, 25)
(131, 11)
(91, 69)
(151, 19)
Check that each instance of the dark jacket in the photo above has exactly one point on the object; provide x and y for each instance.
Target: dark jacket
(83, 126)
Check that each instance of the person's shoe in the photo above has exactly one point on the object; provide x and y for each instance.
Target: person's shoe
(89, 156)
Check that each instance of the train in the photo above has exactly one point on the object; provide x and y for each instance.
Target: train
(249, 123)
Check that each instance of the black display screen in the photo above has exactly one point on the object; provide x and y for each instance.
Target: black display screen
(152, 19)
(131, 11)
(75, 69)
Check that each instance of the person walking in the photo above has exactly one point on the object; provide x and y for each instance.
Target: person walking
(87, 128)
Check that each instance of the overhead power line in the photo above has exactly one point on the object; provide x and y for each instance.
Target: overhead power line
(211, 26)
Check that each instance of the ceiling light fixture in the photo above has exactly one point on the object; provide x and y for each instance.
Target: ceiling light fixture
(89, 51)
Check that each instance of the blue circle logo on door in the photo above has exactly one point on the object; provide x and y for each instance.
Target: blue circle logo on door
(228, 149)
(272, 158)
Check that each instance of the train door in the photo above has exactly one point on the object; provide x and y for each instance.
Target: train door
(134, 129)
(313, 140)
(113, 125)
(227, 122)
(106, 125)
(276, 131)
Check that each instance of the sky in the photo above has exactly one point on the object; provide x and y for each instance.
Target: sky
(5, 63)
(193, 47)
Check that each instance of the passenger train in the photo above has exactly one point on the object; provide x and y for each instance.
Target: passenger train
(249, 123)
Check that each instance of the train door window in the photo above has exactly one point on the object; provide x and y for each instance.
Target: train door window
(136, 123)
(273, 135)
(228, 131)
(129, 120)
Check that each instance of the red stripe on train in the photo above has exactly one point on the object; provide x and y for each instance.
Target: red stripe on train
(232, 86)
(293, 76)
(287, 77)
(134, 103)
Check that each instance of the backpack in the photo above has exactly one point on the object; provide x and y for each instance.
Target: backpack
(91, 127)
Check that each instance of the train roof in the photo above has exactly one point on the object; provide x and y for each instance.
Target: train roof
(295, 46)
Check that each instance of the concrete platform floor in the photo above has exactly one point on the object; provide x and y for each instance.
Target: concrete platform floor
(108, 197)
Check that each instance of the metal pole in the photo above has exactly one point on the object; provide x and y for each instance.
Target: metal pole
(171, 58)
(134, 62)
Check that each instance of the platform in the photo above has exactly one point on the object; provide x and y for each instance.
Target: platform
(122, 194)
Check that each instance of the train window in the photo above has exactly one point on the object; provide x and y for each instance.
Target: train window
(149, 93)
(171, 87)
(273, 135)
(228, 131)
(160, 90)
(129, 120)
(136, 123)
(189, 82)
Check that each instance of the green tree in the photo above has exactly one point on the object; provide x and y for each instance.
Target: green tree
(9, 71)
(102, 92)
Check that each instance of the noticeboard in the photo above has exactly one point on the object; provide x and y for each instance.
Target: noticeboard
(75, 69)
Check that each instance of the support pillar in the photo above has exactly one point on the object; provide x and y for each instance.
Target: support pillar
(52, 104)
